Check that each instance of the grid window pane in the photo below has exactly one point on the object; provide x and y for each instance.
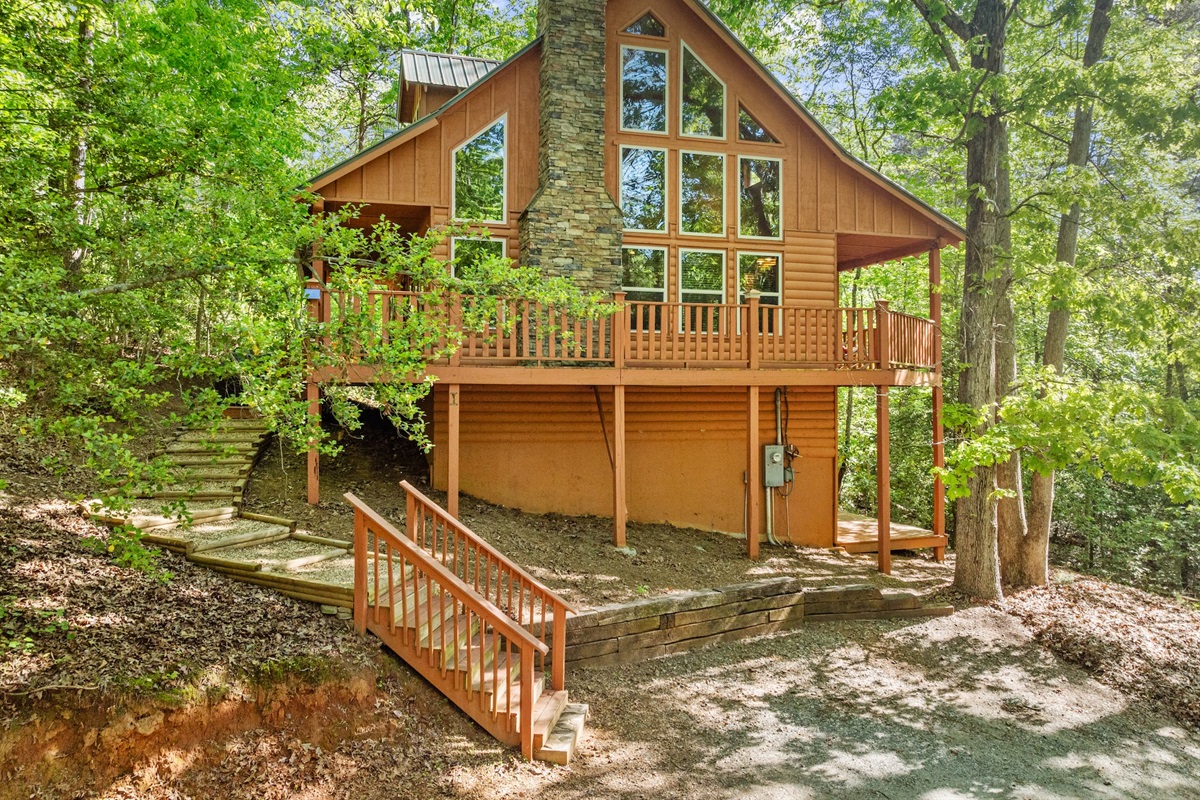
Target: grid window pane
(759, 198)
(703, 99)
(702, 193)
(643, 90)
(479, 177)
(644, 188)
(469, 253)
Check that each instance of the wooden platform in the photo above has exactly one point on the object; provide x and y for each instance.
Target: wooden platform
(859, 534)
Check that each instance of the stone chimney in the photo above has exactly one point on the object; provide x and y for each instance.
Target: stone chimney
(572, 226)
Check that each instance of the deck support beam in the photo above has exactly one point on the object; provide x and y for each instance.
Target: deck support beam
(620, 511)
(753, 476)
(313, 395)
(939, 444)
(453, 450)
(883, 480)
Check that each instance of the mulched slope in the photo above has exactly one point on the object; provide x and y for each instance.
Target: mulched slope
(127, 631)
(1144, 645)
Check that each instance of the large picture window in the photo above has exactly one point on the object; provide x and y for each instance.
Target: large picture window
(644, 188)
(479, 176)
(703, 99)
(701, 281)
(467, 252)
(644, 280)
(761, 272)
(760, 208)
(643, 90)
(702, 193)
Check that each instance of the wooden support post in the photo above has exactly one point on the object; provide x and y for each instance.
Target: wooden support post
(558, 650)
(313, 394)
(883, 480)
(620, 332)
(752, 325)
(360, 572)
(452, 450)
(939, 444)
(619, 510)
(883, 334)
(753, 474)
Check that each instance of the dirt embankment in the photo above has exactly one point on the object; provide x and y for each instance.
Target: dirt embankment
(75, 745)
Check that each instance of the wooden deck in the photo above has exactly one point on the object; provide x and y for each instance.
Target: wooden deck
(859, 534)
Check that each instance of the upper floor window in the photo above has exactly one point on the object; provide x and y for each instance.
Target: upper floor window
(644, 188)
(468, 252)
(760, 210)
(702, 193)
(643, 90)
(647, 25)
(750, 130)
(759, 272)
(703, 99)
(479, 176)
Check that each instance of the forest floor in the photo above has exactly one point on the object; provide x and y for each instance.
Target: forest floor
(204, 688)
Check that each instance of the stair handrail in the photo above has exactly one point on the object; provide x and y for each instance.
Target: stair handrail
(483, 544)
(524, 592)
(463, 592)
(368, 520)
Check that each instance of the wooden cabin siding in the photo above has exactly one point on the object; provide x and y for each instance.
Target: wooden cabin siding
(542, 450)
(417, 172)
(821, 191)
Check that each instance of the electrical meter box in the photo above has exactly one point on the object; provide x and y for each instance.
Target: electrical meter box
(773, 465)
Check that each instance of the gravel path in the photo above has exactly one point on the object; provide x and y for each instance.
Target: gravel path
(959, 707)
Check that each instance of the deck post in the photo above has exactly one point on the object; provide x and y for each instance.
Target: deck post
(753, 476)
(883, 334)
(620, 332)
(452, 449)
(313, 394)
(360, 571)
(883, 480)
(619, 510)
(752, 324)
(939, 444)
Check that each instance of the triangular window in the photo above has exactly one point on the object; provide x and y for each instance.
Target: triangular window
(749, 129)
(647, 25)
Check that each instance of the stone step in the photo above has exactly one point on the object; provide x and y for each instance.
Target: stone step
(564, 738)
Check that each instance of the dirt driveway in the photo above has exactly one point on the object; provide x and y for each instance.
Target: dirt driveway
(967, 706)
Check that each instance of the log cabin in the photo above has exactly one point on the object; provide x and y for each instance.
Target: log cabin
(639, 148)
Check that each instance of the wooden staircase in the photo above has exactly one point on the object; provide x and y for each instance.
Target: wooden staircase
(474, 624)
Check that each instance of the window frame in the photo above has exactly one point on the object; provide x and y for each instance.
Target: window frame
(666, 34)
(776, 143)
(666, 271)
(767, 329)
(683, 251)
(666, 88)
(454, 240)
(666, 188)
(724, 98)
(723, 233)
(684, 318)
(749, 237)
(503, 180)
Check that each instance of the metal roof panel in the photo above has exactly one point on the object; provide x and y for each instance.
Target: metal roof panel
(444, 69)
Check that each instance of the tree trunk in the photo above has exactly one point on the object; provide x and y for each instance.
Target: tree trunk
(75, 254)
(977, 566)
(1035, 550)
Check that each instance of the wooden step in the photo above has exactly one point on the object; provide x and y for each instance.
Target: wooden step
(564, 737)
(545, 716)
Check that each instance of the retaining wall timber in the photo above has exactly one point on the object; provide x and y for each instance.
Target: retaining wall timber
(674, 623)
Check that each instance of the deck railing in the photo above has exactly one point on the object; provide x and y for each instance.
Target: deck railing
(475, 562)
(647, 334)
(442, 621)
